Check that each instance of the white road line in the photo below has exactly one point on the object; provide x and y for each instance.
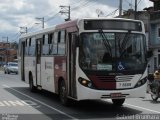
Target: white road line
(142, 108)
(42, 103)
(137, 107)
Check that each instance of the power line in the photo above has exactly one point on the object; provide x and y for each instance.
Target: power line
(84, 4)
(51, 17)
(112, 13)
(77, 2)
(76, 5)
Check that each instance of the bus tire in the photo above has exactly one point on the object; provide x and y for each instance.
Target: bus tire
(63, 93)
(118, 102)
(31, 85)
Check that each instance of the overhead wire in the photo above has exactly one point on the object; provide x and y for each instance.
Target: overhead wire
(80, 4)
(112, 13)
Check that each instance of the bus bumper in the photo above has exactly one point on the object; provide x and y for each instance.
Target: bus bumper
(84, 93)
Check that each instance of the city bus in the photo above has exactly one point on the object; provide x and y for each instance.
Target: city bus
(87, 59)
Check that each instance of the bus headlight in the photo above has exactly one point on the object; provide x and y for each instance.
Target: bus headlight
(85, 82)
(141, 82)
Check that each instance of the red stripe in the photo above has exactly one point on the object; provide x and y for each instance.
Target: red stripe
(103, 82)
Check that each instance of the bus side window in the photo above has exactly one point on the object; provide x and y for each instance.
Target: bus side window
(51, 41)
(53, 47)
(45, 45)
(31, 46)
(61, 43)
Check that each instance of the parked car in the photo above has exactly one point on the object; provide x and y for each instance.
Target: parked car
(11, 67)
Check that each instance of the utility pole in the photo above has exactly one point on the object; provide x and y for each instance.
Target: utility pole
(6, 38)
(120, 8)
(66, 10)
(135, 12)
(42, 20)
(23, 30)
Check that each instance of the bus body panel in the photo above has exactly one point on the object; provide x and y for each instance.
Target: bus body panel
(47, 74)
(60, 70)
(30, 69)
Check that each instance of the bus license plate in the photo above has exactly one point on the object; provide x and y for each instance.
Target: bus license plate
(115, 94)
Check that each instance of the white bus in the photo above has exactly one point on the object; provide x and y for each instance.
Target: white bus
(87, 59)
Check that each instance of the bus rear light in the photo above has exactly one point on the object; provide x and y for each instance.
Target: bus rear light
(85, 82)
(141, 82)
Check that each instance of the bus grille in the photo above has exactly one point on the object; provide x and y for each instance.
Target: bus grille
(103, 82)
(108, 82)
(124, 78)
(106, 78)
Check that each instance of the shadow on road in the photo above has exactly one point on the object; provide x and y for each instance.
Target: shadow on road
(95, 109)
(152, 101)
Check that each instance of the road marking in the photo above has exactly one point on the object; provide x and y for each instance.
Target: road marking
(12, 103)
(142, 108)
(42, 103)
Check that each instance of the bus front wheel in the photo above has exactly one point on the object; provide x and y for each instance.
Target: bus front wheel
(118, 102)
(63, 93)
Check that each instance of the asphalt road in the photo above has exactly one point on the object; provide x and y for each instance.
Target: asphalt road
(18, 103)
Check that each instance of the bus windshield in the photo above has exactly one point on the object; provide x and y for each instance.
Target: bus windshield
(112, 51)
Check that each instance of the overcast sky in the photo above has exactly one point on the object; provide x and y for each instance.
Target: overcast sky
(22, 13)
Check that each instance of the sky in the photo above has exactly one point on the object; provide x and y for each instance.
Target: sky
(23, 13)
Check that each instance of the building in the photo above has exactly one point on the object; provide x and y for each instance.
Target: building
(8, 52)
(154, 35)
(151, 20)
(140, 15)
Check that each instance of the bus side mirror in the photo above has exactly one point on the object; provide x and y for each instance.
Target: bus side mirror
(149, 54)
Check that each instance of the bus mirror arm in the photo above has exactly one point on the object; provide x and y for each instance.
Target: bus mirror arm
(77, 41)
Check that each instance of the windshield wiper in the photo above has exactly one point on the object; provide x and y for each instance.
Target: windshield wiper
(124, 43)
(106, 42)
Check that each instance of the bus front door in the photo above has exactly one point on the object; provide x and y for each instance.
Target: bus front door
(71, 64)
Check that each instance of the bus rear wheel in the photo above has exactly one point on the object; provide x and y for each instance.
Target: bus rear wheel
(31, 85)
(63, 93)
(118, 102)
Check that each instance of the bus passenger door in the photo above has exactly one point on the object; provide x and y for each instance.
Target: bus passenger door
(72, 65)
(38, 62)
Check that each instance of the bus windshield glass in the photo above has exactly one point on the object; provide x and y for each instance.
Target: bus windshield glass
(112, 51)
